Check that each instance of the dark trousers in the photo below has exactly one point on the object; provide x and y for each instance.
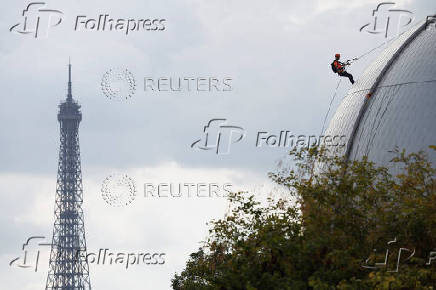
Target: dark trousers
(349, 76)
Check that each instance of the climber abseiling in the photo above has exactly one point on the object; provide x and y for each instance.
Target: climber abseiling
(339, 67)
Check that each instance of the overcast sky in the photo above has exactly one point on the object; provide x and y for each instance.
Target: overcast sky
(277, 54)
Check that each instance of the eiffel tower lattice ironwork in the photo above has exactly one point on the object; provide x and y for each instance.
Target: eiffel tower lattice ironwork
(68, 267)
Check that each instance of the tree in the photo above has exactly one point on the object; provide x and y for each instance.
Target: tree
(345, 225)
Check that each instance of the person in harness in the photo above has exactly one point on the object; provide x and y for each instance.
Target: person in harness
(339, 68)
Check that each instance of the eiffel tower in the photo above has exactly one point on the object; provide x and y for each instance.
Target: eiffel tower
(68, 268)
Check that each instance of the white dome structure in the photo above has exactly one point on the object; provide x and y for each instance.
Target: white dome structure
(401, 111)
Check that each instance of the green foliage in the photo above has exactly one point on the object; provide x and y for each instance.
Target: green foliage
(338, 218)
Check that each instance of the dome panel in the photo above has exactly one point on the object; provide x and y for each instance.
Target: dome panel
(402, 109)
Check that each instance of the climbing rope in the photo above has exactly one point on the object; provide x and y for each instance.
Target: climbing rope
(368, 52)
(396, 85)
(330, 106)
(372, 49)
(348, 62)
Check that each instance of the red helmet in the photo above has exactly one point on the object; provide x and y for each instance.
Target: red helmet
(337, 55)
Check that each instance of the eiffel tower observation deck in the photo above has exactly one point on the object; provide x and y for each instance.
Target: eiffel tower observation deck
(68, 267)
